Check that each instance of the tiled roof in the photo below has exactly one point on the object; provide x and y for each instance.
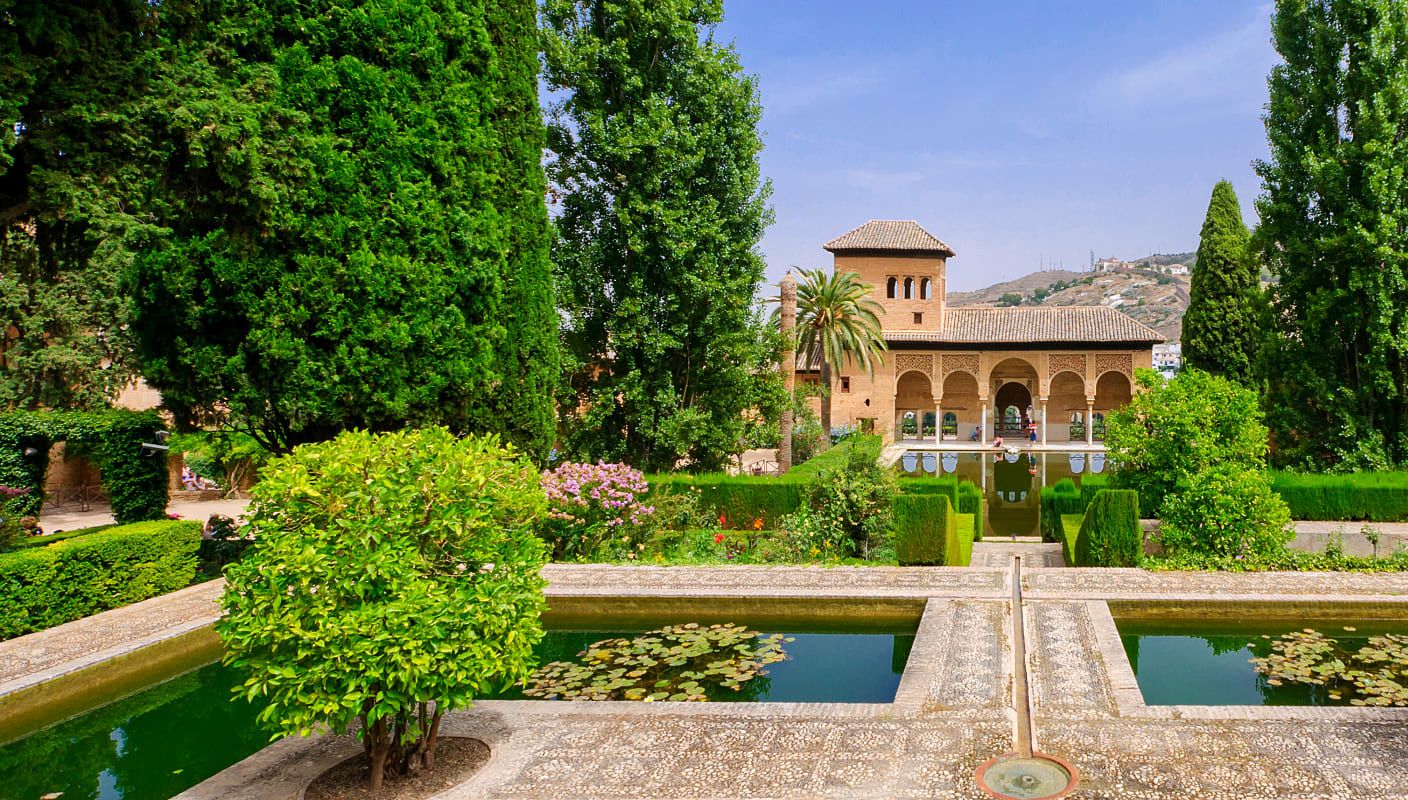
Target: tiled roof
(989, 326)
(890, 234)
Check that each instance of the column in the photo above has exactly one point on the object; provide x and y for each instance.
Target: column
(1090, 420)
(938, 420)
(1043, 421)
(983, 426)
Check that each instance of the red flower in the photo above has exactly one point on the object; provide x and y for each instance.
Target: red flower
(718, 538)
(723, 521)
(758, 524)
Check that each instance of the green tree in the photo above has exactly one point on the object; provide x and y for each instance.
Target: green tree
(72, 156)
(352, 221)
(1334, 231)
(1226, 511)
(1173, 430)
(837, 323)
(396, 579)
(655, 145)
(1221, 332)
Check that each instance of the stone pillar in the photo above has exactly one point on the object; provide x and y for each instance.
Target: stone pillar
(938, 420)
(983, 426)
(1090, 420)
(788, 298)
(1043, 421)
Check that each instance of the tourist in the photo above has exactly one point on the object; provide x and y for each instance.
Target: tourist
(997, 442)
(1031, 431)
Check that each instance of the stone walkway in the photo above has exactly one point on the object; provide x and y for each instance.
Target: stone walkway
(997, 554)
(954, 708)
(67, 518)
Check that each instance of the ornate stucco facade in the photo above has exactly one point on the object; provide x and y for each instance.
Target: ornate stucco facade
(975, 373)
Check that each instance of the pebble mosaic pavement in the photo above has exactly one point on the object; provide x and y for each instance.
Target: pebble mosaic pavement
(953, 710)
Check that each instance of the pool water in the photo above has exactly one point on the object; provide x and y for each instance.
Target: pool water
(171, 736)
(1011, 482)
(1207, 662)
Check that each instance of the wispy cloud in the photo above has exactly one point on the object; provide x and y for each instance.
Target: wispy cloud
(799, 85)
(1225, 65)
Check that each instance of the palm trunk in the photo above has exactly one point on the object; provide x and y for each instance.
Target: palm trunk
(825, 404)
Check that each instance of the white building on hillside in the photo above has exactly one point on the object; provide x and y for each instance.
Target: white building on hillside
(1168, 358)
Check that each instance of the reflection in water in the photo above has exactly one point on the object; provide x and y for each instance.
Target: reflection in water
(1011, 482)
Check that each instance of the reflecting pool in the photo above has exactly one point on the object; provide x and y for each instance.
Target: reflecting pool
(1011, 482)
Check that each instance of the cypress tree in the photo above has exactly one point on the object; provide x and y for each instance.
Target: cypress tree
(1220, 328)
(347, 189)
(521, 401)
(1334, 231)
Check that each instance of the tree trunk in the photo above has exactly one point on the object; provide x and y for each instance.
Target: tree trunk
(825, 404)
(381, 747)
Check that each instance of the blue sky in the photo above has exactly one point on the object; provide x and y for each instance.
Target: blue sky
(1013, 131)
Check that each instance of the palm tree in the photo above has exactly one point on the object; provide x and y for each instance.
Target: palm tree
(836, 321)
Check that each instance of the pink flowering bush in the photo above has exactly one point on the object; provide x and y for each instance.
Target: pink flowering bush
(594, 510)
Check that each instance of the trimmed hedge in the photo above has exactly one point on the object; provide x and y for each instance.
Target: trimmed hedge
(1372, 496)
(1058, 500)
(48, 539)
(925, 530)
(1091, 485)
(970, 501)
(41, 587)
(1110, 535)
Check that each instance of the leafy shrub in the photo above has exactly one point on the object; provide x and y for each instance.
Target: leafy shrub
(1110, 535)
(1175, 429)
(394, 573)
(15, 523)
(1226, 511)
(857, 498)
(811, 538)
(41, 587)
(925, 530)
(1056, 501)
(223, 542)
(593, 508)
(1091, 485)
(1375, 496)
(687, 662)
(970, 501)
(736, 499)
(1285, 561)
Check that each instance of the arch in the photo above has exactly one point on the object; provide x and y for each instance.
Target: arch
(1012, 400)
(891, 287)
(1112, 391)
(950, 425)
(1065, 399)
(926, 289)
(909, 288)
(960, 400)
(914, 396)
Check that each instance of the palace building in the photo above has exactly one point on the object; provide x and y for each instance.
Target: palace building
(977, 373)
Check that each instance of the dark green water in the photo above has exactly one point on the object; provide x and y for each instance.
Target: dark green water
(1207, 663)
(167, 738)
(1011, 484)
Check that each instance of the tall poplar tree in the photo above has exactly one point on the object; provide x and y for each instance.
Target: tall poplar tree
(354, 221)
(655, 147)
(1334, 231)
(1221, 332)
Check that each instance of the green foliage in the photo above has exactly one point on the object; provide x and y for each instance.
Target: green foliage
(15, 524)
(1056, 501)
(351, 222)
(945, 485)
(1334, 232)
(1091, 485)
(230, 458)
(594, 511)
(857, 498)
(678, 662)
(223, 542)
(392, 571)
(1226, 511)
(654, 145)
(72, 172)
(1010, 299)
(1221, 330)
(135, 478)
(41, 587)
(1172, 430)
(966, 533)
(926, 530)
(1374, 675)
(837, 324)
(50, 538)
(1286, 560)
(1110, 535)
(1376, 496)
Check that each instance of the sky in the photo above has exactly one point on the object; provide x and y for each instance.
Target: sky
(1022, 133)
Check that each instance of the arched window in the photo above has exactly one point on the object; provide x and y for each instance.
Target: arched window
(926, 289)
(950, 425)
(909, 288)
(890, 286)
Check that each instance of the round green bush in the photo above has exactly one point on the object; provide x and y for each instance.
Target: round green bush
(1226, 511)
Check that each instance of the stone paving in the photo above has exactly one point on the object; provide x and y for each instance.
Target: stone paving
(954, 708)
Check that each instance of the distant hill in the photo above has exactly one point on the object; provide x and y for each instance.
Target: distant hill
(1153, 298)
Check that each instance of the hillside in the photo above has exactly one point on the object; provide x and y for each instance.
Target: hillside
(1155, 299)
